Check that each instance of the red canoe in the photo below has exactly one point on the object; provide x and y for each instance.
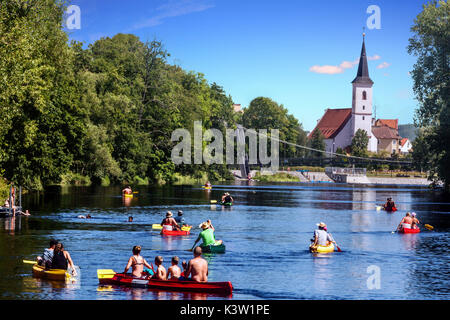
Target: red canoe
(407, 230)
(169, 285)
(393, 209)
(175, 233)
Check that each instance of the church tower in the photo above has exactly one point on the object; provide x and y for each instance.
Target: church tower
(362, 100)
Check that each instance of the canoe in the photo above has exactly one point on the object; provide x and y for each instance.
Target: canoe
(166, 285)
(213, 249)
(391, 210)
(227, 204)
(206, 188)
(50, 274)
(157, 226)
(322, 249)
(128, 195)
(407, 230)
(175, 232)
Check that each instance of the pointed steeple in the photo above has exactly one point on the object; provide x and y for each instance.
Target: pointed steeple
(363, 69)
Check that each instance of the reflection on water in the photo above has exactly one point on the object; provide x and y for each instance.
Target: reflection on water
(269, 228)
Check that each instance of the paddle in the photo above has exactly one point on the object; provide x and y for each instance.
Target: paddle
(338, 249)
(379, 208)
(29, 262)
(429, 227)
(213, 201)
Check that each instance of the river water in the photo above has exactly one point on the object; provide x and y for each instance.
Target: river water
(267, 233)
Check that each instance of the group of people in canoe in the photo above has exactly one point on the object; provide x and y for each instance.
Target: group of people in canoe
(409, 221)
(56, 257)
(195, 270)
(389, 205)
(170, 223)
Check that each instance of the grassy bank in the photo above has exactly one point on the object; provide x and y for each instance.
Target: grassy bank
(277, 177)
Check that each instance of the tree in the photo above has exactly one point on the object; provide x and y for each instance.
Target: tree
(316, 141)
(359, 143)
(430, 43)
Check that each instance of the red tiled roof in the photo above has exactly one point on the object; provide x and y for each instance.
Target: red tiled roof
(392, 123)
(385, 132)
(333, 121)
(403, 141)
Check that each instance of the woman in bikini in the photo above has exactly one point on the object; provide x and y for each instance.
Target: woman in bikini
(137, 263)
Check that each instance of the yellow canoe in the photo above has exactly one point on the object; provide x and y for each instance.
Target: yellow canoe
(322, 249)
(128, 195)
(50, 274)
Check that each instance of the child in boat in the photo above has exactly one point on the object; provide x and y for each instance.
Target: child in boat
(174, 271)
(161, 273)
(137, 263)
(415, 221)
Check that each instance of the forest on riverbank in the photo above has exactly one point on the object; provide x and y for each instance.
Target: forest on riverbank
(104, 114)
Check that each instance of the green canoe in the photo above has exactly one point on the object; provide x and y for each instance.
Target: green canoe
(213, 249)
(227, 204)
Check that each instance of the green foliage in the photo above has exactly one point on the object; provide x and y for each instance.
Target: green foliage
(359, 143)
(317, 142)
(277, 177)
(430, 43)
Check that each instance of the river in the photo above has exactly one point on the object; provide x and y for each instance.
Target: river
(267, 233)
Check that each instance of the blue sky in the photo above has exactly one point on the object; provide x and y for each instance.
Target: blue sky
(274, 49)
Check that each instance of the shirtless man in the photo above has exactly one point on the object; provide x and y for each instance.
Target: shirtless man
(406, 222)
(174, 271)
(127, 190)
(137, 263)
(198, 267)
(161, 273)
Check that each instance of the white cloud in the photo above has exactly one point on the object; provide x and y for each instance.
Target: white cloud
(328, 69)
(383, 65)
(174, 8)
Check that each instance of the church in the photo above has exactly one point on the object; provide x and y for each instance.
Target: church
(338, 126)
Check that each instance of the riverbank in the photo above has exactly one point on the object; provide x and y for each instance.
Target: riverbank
(321, 177)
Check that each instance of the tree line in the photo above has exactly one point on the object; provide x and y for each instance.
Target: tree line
(104, 114)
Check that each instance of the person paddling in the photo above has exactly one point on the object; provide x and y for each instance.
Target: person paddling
(207, 235)
(137, 263)
(46, 259)
(389, 205)
(127, 190)
(415, 222)
(321, 236)
(61, 259)
(180, 219)
(227, 198)
(169, 223)
(406, 222)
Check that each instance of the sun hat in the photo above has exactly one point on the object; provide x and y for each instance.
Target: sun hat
(413, 214)
(323, 225)
(169, 214)
(204, 225)
(180, 212)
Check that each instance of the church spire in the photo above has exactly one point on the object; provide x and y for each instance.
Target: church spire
(363, 70)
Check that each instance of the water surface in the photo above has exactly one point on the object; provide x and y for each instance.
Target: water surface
(267, 233)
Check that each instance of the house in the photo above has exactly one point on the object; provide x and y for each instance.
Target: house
(405, 146)
(387, 139)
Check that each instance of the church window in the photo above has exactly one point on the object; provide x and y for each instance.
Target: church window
(364, 95)
(364, 107)
(364, 118)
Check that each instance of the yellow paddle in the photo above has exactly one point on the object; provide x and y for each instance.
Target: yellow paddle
(213, 201)
(29, 262)
(428, 227)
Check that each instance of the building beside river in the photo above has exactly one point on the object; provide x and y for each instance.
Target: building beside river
(338, 126)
